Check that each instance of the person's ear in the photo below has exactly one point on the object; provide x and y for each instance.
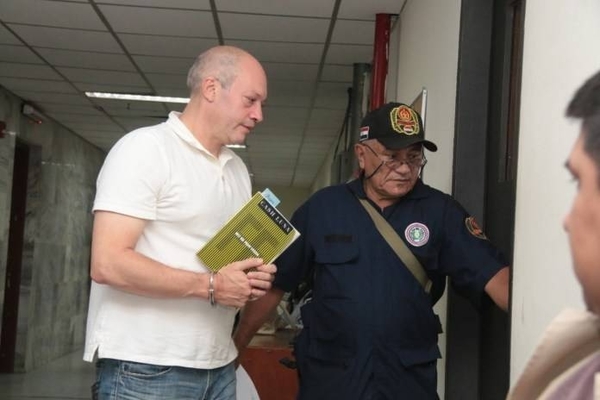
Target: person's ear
(210, 86)
(359, 152)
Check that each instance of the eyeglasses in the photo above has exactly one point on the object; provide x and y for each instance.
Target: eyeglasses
(414, 161)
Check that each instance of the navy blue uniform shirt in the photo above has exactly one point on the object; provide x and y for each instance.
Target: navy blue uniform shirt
(369, 331)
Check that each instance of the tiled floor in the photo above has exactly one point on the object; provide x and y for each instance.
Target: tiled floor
(66, 378)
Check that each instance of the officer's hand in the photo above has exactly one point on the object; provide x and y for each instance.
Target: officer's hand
(261, 280)
(232, 285)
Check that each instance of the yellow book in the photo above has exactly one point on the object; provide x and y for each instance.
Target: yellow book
(258, 229)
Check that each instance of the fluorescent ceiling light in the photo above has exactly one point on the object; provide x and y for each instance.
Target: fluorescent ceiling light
(137, 97)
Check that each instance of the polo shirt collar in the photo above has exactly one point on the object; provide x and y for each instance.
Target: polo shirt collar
(184, 134)
(417, 192)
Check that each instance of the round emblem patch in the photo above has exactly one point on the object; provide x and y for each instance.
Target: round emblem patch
(417, 234)
(474, 228)
(405, 120)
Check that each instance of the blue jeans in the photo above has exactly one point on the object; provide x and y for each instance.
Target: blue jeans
(126, 380)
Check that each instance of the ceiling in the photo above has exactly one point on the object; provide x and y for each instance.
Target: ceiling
(53, 51)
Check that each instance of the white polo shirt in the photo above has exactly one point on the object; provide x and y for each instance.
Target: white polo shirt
(164, 175)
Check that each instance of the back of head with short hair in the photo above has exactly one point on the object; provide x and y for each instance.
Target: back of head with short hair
(586, 105)
(220, 62)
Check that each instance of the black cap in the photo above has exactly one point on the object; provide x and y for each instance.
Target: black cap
(396, 126)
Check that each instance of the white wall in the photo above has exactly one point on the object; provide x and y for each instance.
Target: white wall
(560, 52)
(425, 54)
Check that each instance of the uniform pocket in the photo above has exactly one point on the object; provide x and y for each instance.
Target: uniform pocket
(337, 272)
(335, 252)
(330, 317)
(330, 329)
(410, 357)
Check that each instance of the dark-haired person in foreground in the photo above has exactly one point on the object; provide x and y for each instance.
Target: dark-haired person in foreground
(369, 332)
(566, 363)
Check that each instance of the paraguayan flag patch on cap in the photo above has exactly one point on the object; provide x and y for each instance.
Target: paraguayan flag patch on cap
(364, 133)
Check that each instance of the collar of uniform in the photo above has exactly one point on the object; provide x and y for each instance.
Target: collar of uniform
(184, 134)
(417, 192)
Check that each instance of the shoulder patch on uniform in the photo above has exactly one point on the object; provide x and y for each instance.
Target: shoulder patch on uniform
(473, 228)
(417, 234)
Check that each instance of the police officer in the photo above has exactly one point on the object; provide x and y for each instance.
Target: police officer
(369, 332)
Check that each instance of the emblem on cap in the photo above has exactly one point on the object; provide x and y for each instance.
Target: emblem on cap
(474, 228)
(405, 120)
(417, 234)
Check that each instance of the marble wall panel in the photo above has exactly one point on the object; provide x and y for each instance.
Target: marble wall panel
(55, 269)
(7, 146)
